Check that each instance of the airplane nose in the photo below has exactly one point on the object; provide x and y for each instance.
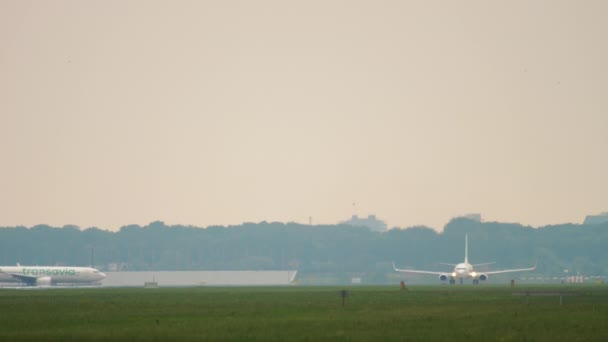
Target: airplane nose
(102, 275)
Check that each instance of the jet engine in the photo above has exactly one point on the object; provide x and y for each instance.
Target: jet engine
(483, 276)
(443, 277)
(43, 281)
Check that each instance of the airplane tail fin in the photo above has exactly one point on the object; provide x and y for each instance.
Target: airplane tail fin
(466, 248)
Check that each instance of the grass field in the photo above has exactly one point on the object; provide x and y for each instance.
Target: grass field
(477, 313)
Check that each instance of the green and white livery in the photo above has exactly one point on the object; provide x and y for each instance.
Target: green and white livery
(50, 275)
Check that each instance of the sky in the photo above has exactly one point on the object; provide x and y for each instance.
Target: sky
(222, 112)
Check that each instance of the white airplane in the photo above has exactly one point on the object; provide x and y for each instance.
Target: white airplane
(50, 275)
(464, 270)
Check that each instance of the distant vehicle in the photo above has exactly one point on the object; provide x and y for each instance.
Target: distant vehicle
(464, 270)
(50, 275)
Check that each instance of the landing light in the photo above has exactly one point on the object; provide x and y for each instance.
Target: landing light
(453, 274)
(473, 274)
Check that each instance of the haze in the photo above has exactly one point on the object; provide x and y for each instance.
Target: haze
(220, 112)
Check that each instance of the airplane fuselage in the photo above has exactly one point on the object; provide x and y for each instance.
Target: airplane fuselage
(463, 270)
(50, 275)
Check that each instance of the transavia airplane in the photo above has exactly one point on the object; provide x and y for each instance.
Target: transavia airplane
(464, 270)
(50, 275)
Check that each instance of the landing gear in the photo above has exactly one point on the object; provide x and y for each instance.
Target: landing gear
(452, 281)
(475, 281)
(460, 281)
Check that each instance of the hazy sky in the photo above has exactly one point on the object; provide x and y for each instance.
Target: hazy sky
(220, 112)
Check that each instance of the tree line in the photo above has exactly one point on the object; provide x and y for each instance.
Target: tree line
(577, 249)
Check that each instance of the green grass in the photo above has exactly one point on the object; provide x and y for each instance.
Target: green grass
(477, 313)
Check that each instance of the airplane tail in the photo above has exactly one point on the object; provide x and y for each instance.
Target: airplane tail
(466, 248)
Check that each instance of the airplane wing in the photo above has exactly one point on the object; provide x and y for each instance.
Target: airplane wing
(22, 278)
(416, 271)
(514, 270)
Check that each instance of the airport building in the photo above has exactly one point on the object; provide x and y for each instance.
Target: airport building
(200, 278)
(371, 222)
(596, 219)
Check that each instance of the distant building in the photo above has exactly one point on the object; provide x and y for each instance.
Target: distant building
(370, 222)
(200, 278)
(596, 219)
(472, 217)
